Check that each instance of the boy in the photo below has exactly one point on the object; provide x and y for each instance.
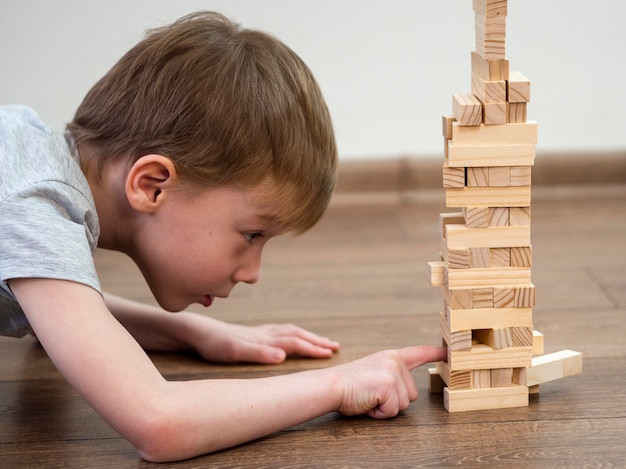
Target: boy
(204, 141)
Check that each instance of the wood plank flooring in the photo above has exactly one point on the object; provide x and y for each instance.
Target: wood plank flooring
(360, 277)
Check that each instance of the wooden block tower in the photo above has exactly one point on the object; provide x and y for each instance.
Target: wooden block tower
(484, 270)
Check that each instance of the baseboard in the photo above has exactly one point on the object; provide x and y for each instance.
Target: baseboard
(405, 174)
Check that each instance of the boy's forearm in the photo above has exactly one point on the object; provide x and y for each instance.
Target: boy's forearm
(206, 416)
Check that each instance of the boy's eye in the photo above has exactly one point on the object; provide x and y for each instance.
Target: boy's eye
(252, 236)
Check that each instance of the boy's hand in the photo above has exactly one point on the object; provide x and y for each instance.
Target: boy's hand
(271, 343)
(381, 385)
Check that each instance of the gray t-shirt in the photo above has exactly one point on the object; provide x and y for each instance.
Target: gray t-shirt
(48, 222)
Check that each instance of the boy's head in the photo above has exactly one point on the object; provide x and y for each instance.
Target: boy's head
(229, 106)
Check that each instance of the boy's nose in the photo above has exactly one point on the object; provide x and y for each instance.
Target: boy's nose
(250, 272)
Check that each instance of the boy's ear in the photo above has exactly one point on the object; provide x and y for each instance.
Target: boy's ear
(148, 182)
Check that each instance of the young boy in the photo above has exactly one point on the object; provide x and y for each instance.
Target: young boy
(204, 141)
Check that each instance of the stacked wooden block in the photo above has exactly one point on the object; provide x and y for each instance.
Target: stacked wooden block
(486, 252)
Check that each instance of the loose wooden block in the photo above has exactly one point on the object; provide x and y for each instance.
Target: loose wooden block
(499, 176)
(446, 125)
(477, 177)
(436, 273)
(520, 175)
(488, 197)
(490, 8)
(490, 69)
(482, 356)
(460, 236)
(516, 112)
(521, 296)
(463, 400)
(506, 134)
(488, 318)
(488, 91)
(554, 366)
(490, 36)
(517, 88)
(521, 256)
(467, 109)
(470, 155)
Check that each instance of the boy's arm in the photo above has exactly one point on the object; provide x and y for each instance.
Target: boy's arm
(176, 420)
(215, 340)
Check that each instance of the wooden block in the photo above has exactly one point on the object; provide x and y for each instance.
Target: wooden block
(455, 218)
(499, 216)
(467, 109)
(463, 400)
(488, 197)
(506, 134)
(519, 216)
(517, 88)
(500, 257)
(446, 125)
(477, 177)
(554, 366)
(521, 296)
(480, 379)
(520, 175)
(454, 379)
(490, 8)
(436, 273)
(453, 177)
(516, 113)
(520, 376)
(488, 318)
(470, 155)
(490, 69)
(488, 91)
(537, 343)
(533, 389)
(476, 217)
(499, 176)
(458, 340)
(458, 258)
(436, 384)
(482, 297)
(495, 113)
(478, 258)
(482, 356)
(521, 256)
(502, 377)
(490, 36)
(458, 299)
(460, 236)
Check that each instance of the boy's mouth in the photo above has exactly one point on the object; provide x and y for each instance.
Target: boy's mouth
(207, 301)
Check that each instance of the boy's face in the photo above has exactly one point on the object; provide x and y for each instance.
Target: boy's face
(195, 248)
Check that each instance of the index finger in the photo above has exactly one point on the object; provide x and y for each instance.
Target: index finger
(421, 354)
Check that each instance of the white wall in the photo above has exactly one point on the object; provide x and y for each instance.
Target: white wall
(387, 68)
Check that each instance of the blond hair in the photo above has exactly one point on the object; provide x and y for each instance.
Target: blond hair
(228, 105)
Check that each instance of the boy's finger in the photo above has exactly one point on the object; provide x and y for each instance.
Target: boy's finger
(419, 355)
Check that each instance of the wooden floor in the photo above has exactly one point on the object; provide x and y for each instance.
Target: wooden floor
(360, 277)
